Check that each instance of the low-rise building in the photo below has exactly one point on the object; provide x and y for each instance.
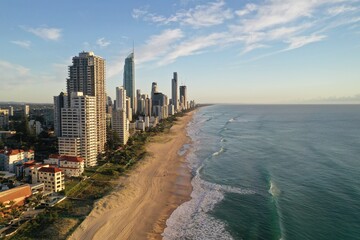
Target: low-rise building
(16, 195)
(52, 177)
(71, 166)
(9, 158)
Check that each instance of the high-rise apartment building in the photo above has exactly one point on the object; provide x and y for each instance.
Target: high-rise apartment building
(119, 118)
(11, 111)
(26, 110)
(154, 89)
(174, 91)
(79, 128)
(129, 80)
(60, 102)
(183, 97)
(4, 118)
(87, 75)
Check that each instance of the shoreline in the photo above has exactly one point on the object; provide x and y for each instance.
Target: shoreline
(150, 193)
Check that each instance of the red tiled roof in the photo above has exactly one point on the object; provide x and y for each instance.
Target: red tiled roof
(54, 156)
(14, 151)
(29, 163)
(71, 159)
(50, 169)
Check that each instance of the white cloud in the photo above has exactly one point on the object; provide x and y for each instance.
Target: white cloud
(24, 44)
(250, 7)
(206, 15)
(10, 67)
(46, 33)
(158, 45)
(341, 9)
(102, 42)
(297, 42)
(192, 47)
(138, 13)
(276, 26)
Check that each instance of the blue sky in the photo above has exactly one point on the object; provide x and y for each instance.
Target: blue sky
(269, 51)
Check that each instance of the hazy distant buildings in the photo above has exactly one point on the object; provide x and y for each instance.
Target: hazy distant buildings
(4, 118)
(183, 97)
(129, 80)
(11, 111)
(26, 110)
(87, 75)
(174, 91)
(79, 128)
(60, 102)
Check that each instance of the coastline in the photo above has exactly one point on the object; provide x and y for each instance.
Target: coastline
(151, 192)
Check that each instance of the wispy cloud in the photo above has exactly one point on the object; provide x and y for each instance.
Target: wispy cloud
(192, 47)
(23, 44)
(275, 26)
(300, 41)
(341, 9)
(206, 15)
(46, 33)
(250, 7)
(158, 45)
(101, 42)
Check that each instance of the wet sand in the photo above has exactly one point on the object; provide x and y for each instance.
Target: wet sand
(151, 192)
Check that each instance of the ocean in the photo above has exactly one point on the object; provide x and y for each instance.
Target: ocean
(289, 172)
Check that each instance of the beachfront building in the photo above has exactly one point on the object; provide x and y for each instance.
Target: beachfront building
(71, 166)
(87, 75)
(119, 118)
(52, 177)
(78, 126)
(183, 97)
(174, 91)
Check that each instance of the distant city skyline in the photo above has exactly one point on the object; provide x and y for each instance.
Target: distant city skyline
(265, 51)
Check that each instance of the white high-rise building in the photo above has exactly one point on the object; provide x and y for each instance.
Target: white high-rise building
(26, 110)
(79, 128)
(119, 118)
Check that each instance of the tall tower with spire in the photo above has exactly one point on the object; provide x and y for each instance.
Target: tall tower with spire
(129, 79)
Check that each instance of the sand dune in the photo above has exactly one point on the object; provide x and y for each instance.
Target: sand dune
(150, 194)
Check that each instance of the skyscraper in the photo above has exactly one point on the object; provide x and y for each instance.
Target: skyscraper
(154, 89)
(87, 75)
(129, 80)
(79, 128)
(119, 119)
(26, 110)
(183, 97)
(174, 91)
(60, 102)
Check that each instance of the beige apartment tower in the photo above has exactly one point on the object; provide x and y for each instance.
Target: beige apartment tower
(87, 75)
(79, 129)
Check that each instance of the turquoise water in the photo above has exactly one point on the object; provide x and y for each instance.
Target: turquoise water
(272, 172)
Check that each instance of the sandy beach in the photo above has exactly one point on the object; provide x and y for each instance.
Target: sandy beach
(151, 192)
